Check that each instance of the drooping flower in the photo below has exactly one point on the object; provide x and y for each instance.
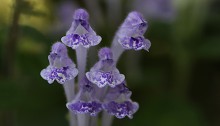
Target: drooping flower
(61, 67)
(130, 34)
(86, 101)
(118, 103)
(104, 72)
(81, 33)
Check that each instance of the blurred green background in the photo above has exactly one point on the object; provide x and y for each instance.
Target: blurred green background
(176, 84)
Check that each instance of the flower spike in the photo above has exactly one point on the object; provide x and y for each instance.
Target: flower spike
(103, 87)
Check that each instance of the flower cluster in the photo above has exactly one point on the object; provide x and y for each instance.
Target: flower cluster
(103, 87)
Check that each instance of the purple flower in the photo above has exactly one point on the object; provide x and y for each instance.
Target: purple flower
(86, 101)
(130, 34)
(104, 72)
(61, 67)
(117, 102)
(120, 110)
(80, 33)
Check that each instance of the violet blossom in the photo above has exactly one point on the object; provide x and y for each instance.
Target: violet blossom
(104, 72)
(131, 35)
(85, 102)
(118, 103)
(81, 33)
(131, 32)
(61, 68)
(103, 88)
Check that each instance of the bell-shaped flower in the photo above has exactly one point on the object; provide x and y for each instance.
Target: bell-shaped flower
(61, 67)
(118, 103)
(80, 32)
(130, 34)
(86, 100)
(104, 72)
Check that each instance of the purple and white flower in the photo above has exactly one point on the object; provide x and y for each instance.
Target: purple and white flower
(86, 101)
(104, 72)
(61, 67)
(130, 34)
(81, 33)
(117, 102)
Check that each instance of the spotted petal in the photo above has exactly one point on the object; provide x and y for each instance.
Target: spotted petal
(45, 74)
(136, 43)
(81, 107)
(80, 32)
(101, 78)
(61, 75)
(71, 40)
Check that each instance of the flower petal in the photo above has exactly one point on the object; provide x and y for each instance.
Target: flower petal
(100, 78)
(92, 107)
(136, 43)
(46, 74)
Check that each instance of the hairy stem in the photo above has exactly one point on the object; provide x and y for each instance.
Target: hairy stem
(69, 89)
(117, 50)
(81, 54)
(83, 119)
(107, 119)
(93, 121)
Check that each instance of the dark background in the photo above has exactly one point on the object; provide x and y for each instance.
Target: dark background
(176, 84)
